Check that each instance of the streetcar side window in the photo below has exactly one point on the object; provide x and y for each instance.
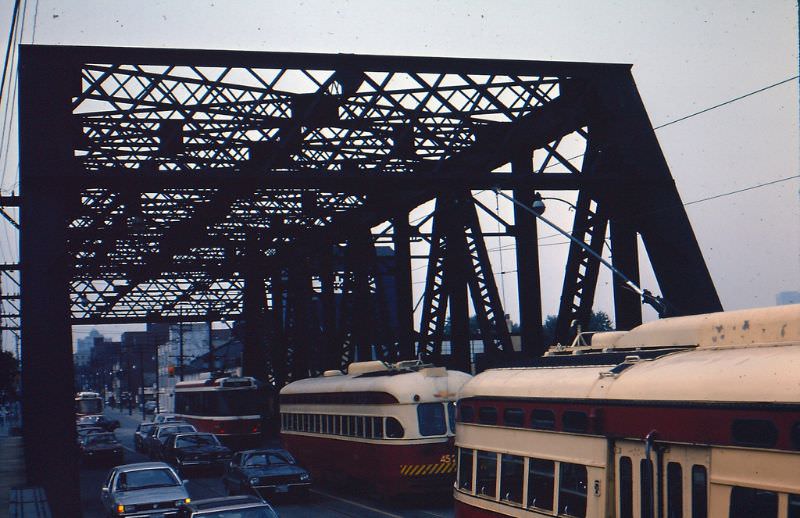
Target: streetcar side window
(359, 426)
(572, 489)
(574, 421)
(625, 487)
(511, 474)
(337, 425)
(794, 507)
(377, 427)
(542, 419)
(466, 414)
(541, 483)
(486, 477)
(747, 502)
(795, 435)
(451, 415)
(487, 415)
(465, 469)
(646, 488)
(514, 417)
(754, 432)
(674, 490)
(430, 417)
(368, 428)
(699, 491)
(394, 430)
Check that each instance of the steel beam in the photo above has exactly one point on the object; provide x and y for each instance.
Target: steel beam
(48, 407)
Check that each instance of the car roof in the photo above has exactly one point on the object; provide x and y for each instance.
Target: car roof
(264, 450)
(139, 466)
(225, 502)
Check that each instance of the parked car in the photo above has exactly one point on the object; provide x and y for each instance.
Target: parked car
(165, 418)
(146, 489)
(195, 450)
(228, 507)
(100, 421)
(266, 471)
(83, 431)
(155, 439)
(139, 435)
(150, 407)
(101, 447)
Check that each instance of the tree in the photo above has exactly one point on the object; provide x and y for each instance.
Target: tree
(599, 321)
(8, 373)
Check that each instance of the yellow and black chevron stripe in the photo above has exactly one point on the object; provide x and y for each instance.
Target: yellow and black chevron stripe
(421, 470)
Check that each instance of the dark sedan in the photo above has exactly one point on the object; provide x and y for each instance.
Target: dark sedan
(187, 451)
(154, 441)
(99, 421)
(228, 507)
(83, 431)
(140, 434)
(268, 471)
(101, 447)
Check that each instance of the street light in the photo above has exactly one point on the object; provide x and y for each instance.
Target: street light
(538, 208)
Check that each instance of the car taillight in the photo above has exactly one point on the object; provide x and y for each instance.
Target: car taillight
(219, 428)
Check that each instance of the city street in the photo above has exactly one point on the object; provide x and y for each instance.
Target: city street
(324, 500)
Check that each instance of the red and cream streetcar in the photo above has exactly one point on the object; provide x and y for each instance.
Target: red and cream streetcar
(232, 407)
(695, 417)
(390, 426)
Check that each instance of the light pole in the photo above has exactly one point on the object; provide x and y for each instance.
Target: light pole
(537, 209)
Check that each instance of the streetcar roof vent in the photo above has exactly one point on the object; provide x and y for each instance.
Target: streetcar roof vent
(356, 368)
(434, 372)
(332, 372)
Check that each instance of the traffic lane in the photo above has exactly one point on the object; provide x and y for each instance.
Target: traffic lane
(323, 501)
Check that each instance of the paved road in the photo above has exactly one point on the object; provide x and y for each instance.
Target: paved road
(324, 500)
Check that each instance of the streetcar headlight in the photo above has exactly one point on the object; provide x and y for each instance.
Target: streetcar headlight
(254, 481)
(304, 476)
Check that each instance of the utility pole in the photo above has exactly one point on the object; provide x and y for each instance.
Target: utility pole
(211, 360)
(141, 379)
(180, 353)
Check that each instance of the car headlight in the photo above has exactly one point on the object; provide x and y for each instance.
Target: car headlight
(184, 501)
(254, 481)
(304, 476)
(120, 509)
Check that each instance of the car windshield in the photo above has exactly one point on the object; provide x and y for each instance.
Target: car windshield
(146, 478)
(187, 441)
(253, 512)
(100, 438)
(265, 459)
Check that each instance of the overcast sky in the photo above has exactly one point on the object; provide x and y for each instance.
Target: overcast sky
(686, 56)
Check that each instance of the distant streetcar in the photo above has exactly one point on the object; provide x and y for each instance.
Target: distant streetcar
(233, 408)
(389, 426)
(695, 417)
(88, 403)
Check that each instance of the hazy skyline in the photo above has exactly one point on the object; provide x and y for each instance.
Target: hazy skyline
(686, 56)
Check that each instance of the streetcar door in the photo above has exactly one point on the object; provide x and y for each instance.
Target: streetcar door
(671, 477)
(635, 477)
(685, 481)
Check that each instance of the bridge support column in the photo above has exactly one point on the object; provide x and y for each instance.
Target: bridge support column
(48, 190)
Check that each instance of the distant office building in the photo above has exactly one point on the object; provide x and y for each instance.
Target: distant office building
(84, 346)
(788, 297)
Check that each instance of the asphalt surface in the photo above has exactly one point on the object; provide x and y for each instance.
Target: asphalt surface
(323, 501)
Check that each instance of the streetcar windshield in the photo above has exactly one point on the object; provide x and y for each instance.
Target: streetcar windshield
(89, 406)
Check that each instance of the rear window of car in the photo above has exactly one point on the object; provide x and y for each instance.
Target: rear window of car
(146, 478)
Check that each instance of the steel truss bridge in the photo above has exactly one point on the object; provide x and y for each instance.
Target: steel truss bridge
(182, 185)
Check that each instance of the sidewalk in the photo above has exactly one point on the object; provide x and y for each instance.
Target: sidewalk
(12, 465)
